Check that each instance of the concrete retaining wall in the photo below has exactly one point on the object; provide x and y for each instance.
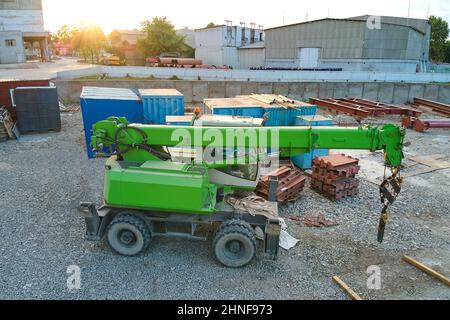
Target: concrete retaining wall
(257, 75)
(196, 91)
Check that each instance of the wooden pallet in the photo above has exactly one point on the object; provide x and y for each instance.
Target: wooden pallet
(6, 125)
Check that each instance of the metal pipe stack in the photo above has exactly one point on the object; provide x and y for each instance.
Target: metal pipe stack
(334, 176)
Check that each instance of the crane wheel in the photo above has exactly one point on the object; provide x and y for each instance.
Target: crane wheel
(235, 222)
(129, 235)
(235, 244)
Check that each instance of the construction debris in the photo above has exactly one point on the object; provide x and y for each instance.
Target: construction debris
(68, 108)
(421, 125)
(315, 221)
(253, 205)
(319, 221)
(426, 269)
(7, 126)
(334, 176)
(290, 183)
(363, 108)
(346, 288)
(433, 106)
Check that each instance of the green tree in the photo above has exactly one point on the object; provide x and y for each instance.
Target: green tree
(64, 34)
(115, 38)
(211, 25)
(89, 40)
(447, 52)
(439, 35)
(160, 36)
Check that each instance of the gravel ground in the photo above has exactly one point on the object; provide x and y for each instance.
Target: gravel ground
(45, 176)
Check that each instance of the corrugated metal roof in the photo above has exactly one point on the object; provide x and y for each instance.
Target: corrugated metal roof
(108, 93)
(206, 28)
(334, 19)
(159, 92)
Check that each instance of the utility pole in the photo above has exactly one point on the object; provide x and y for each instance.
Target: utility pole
(409, 10)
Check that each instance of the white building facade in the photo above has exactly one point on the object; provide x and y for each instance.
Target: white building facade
(219, 45)
(22, 31)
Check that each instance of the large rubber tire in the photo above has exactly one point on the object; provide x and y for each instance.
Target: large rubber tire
(129, 235)
(234, 222)
(235, 244)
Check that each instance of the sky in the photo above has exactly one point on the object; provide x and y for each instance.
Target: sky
(126, 14)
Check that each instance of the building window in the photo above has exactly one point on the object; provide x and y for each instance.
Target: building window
(10, 43)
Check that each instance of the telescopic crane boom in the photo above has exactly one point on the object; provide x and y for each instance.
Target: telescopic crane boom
(148, 190)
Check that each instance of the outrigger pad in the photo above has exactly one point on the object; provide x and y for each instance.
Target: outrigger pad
(272, 239)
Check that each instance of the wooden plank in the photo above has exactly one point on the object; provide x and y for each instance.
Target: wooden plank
(426, 269)
(8, 126)
(346, 288)
(432, 161)
(16, 131)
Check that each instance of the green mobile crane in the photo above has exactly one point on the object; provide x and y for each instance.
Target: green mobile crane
(149, 191)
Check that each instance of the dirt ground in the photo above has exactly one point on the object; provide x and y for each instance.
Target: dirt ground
(45, 176)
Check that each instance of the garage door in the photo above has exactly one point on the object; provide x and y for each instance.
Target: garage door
(308, 57)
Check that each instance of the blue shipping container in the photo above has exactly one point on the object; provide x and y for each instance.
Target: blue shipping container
(287, 116)
(249, 106)
(159, 103)
(304, 161)
(255, 112)
(100, 103)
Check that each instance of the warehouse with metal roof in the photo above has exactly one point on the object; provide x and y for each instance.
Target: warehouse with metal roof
(365, 43)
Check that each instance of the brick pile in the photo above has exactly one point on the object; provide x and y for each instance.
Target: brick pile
(290, 183)
(334, 176)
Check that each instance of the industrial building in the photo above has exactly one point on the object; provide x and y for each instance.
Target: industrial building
(128, 44)
(362, 43)
(221, 45)
(22, 33)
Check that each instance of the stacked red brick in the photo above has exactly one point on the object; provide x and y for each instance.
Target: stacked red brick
(290, 183)
(334, 176)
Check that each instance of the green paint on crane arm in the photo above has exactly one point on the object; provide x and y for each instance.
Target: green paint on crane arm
(290, 140)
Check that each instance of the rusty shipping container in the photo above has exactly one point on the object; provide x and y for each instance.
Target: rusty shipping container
(6, 92)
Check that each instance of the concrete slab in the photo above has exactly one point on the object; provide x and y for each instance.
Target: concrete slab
(370, 91)
(249, 87)
(431, 92)
(444, 94)
(281, 88)
(311, 90)
(265, 87)
(296, 90)
(232, 89)
(326, 90)
(386, 92)
(340, 90)
(41, 70)
(216, 89)
(355, 90)
(401, 93)
(199, 91)
(416, 90)
(185, 87)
